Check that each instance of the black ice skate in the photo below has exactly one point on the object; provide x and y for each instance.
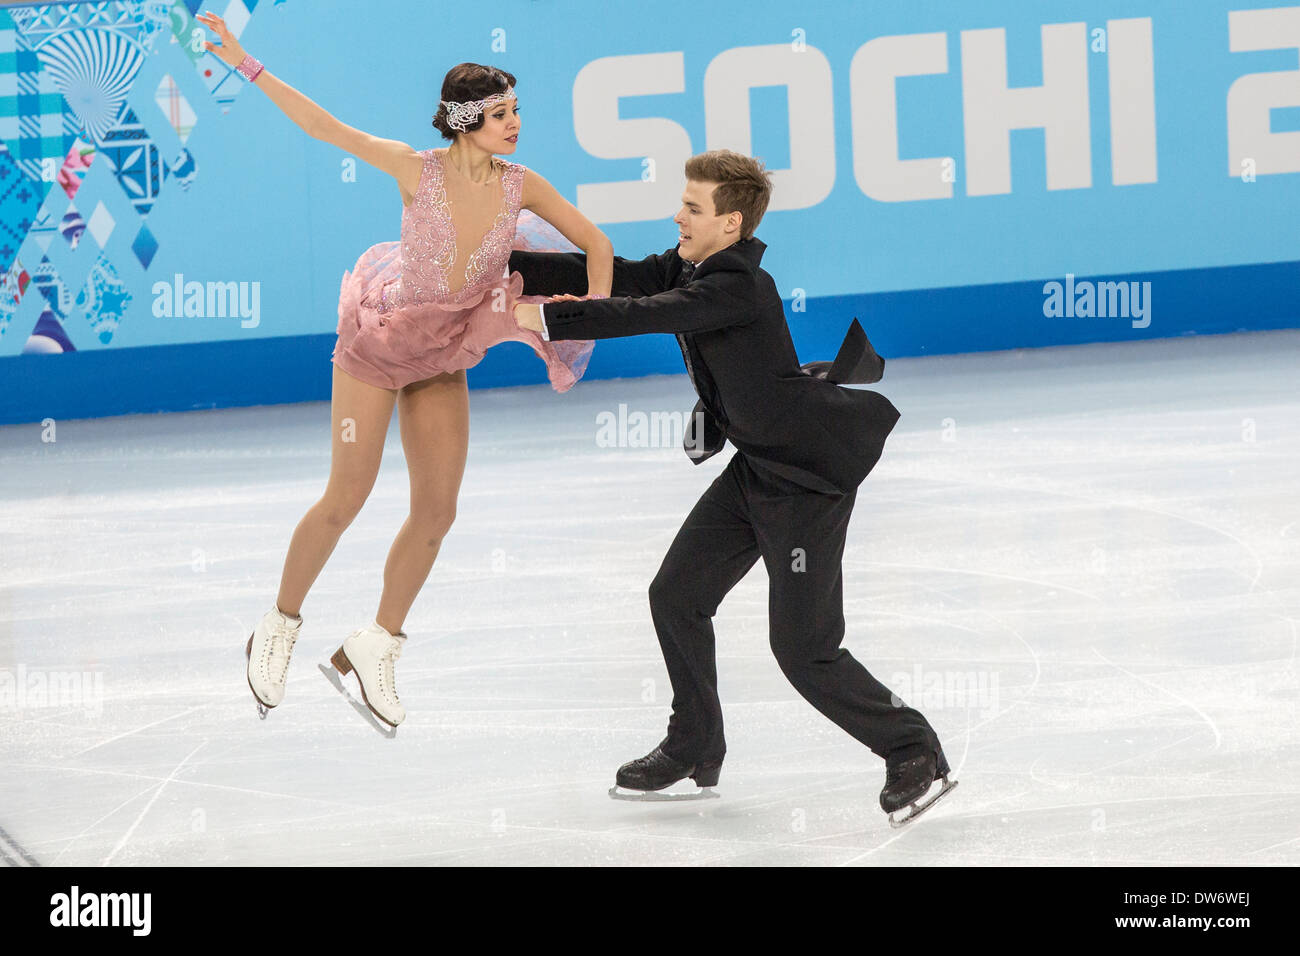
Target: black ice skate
(645, 777)
(907, 781)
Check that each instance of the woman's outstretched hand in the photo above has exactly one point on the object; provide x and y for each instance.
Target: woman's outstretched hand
(230, 52)
(528, 316)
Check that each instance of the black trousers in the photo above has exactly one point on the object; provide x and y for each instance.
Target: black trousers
(746, 513)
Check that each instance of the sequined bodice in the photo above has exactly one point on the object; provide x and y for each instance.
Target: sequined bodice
(437, 264)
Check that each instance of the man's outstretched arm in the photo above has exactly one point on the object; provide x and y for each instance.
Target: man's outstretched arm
(556, 273)
(715, 302)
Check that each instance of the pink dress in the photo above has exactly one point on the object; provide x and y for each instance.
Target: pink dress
(428, 304)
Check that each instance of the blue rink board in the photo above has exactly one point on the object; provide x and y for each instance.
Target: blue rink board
(170, 378)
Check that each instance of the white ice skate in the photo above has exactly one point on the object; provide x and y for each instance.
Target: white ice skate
(372, 654)
(269, 649)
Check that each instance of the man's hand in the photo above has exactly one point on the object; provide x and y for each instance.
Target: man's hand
(528, 317)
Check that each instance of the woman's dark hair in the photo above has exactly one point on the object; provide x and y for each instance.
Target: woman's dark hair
(467, 82)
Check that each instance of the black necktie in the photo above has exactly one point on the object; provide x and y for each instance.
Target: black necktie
(683, 279)
(699, 375)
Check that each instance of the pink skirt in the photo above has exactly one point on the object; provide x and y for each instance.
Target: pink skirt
(413, 342)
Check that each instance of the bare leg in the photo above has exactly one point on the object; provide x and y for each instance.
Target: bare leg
(359, 415)
(434, 418)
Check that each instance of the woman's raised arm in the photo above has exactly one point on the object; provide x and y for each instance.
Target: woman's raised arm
(394, 157)
(545, 200)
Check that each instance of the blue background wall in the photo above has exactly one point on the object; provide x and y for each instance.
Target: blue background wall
(164, 164)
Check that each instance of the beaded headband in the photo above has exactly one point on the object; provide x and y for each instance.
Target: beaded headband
(461, 115)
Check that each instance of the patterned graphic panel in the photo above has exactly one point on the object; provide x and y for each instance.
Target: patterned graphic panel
(68, 73)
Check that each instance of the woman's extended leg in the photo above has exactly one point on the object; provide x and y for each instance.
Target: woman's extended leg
(434, 419)
(360, 415)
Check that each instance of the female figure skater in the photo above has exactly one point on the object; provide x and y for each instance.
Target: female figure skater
(413, 315)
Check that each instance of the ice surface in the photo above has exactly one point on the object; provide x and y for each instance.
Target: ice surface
(1080, 563)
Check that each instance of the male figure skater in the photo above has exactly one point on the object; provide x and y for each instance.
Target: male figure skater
(803, 446)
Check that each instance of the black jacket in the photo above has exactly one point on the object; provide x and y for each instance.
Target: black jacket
(730, 323)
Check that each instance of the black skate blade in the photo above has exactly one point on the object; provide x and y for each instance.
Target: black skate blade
(915, 809)
(335, 678)
(660, 796)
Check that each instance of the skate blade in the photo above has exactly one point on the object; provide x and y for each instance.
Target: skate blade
(336, 679)
(916, 809)
(659, 796)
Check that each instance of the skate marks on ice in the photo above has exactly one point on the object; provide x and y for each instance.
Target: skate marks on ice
(1195, 599)
(1218, 738)
(13, 853)
(126, 837)
(336, 681)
